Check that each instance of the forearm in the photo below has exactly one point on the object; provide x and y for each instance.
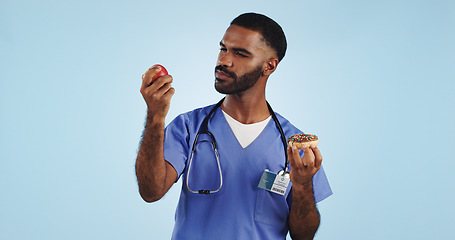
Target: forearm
(150, 163)
(304, 217)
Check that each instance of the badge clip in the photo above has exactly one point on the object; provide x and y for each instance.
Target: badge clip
(276, 183)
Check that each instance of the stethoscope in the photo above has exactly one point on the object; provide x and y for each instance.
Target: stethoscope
(204, 130)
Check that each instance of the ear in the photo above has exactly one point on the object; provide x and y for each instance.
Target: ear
(270, 66)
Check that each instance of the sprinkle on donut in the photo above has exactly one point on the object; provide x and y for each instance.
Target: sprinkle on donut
(303, 138)
(299, 140)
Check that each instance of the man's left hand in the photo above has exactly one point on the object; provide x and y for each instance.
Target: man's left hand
(303, 169)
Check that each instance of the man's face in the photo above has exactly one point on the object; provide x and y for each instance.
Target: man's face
(241, 60)
(238, 84)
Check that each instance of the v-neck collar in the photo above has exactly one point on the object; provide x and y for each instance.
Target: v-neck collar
(265, 133)
(245, 133)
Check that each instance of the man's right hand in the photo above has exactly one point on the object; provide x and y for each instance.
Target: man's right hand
(154, 175)
(157, 94)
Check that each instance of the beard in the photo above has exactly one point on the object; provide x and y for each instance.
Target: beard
(239, 84)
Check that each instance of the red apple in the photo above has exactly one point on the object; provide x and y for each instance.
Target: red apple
(161, 73)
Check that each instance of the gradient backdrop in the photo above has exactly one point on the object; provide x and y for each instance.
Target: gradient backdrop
(374, 79)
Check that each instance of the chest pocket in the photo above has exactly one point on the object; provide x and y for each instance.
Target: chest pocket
(271, 208)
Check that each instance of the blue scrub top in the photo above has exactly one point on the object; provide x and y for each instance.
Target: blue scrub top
(240, 210)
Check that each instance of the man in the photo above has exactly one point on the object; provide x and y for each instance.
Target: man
(231, 205)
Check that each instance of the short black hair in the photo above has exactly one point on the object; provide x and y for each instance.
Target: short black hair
(270, 30)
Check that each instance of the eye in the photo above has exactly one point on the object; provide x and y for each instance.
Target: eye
(222, 49)
(241, 54)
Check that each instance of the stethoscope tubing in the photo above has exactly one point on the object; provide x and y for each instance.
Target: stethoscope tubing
(202, 191)
(204, 130)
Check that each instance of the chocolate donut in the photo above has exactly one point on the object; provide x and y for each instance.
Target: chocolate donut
(299, 140)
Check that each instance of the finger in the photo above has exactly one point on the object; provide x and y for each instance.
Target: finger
(317, 157)
(164, 97)
(163, 82)
(290, 157)
(147, 78)
(159, 93)
(157, 85)
(168, 95)
(294, 158)
(148, 75)
(151, 71)
(308, 156)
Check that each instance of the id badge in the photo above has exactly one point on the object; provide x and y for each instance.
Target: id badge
(276, 183)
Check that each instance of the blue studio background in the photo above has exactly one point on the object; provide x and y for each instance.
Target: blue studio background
(375, 80)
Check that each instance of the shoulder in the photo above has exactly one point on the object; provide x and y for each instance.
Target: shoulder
(192, 117)
(185, 125)
(196, 113)
(288, 128)
(202, 111)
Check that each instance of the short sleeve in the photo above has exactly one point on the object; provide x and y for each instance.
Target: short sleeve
(176, 143)
(321, 186)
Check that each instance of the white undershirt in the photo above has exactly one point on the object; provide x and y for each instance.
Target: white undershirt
(246, 133)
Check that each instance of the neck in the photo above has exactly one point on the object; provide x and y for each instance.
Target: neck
(246, 108)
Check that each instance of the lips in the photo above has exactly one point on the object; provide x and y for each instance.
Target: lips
(222, 75)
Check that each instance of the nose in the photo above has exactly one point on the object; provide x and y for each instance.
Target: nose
(224, 59)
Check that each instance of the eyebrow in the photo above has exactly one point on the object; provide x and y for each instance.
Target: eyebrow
(243, 50)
